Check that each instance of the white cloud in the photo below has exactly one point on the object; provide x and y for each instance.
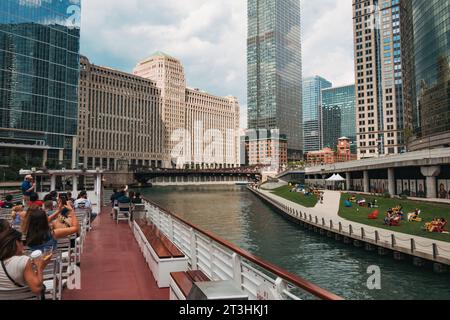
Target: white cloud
(328, 40)
(209, 37)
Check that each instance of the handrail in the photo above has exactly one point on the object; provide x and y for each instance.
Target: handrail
(290, 277)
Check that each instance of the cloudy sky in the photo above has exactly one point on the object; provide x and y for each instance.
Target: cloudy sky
(209, 37)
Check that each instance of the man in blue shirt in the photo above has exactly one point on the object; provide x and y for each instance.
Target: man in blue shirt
(27, 187)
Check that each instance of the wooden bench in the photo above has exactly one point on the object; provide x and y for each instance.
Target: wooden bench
(181, 283)
(161, 255)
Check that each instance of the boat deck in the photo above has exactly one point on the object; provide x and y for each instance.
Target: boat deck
(113, 267)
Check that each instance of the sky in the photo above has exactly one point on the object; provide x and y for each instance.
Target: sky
(209, 38)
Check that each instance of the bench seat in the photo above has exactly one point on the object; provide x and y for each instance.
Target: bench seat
(161, 255)
(181, 283)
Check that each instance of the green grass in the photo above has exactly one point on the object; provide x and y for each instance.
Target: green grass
(284, 192)
(428, 212)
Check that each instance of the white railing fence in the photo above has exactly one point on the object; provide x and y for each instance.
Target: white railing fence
(220, 260)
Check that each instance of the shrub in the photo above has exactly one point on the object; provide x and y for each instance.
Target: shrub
(386, 195)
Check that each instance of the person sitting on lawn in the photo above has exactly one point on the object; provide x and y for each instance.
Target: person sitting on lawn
(438, 226)
(362, 202)
(399, 211)
(352, 199)
(430, 226)
(395, 221)
(388, 218)
(414, 216)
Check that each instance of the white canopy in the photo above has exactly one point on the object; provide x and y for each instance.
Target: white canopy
(336, 178)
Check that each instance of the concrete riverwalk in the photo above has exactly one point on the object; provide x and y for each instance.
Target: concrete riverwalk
(325, 217)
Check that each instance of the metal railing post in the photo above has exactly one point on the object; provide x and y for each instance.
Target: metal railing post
(435, 251)
(237, 269)
(193, 245)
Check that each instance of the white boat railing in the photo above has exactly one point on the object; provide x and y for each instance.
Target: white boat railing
(221, 260)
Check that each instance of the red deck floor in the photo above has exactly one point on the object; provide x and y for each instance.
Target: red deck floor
(113, 267)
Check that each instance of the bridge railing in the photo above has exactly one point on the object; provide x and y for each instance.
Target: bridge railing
(221, 260)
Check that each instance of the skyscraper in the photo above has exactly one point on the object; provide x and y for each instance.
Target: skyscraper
(275, 70)
(312, 100)
(379, 87)
(39, 65)
(339, 116)
(427, 72)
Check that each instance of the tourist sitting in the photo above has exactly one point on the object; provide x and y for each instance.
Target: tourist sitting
(124, 199)
(352, 199)
(8, 203)
(61, 218)
(70, 200)
(437, 225)
(49, 207)
(347, 204)
(18, 214)
(414, 216)
(83, 202)
(395, 220)
(137, 198)
(361, 202)
(388, 218)
(399, 211)
(17, 269)
(34, 200)
(40, 236)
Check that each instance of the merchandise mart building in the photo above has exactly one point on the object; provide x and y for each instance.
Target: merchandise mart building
(39, 66)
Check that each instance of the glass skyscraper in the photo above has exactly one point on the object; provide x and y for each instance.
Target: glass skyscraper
(39, 67)
(339, 116)
(275, 70)
(312, 100)
(429, 72)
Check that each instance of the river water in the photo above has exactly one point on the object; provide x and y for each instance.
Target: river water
(237, 215)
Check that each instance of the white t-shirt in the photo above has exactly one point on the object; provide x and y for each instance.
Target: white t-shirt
(15, 267)
(83, 204)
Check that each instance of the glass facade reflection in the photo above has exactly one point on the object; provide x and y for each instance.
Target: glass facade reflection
(312, 100)
(430, 72)
(39, 67)
(339, 116)
(275, 69)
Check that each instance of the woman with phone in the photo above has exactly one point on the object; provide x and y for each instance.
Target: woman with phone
(60, 219)
(41, 235)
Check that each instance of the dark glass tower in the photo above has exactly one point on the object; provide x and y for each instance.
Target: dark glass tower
(339, 116)
(312, 122)
(275, 70)
(39, 68)
(429, 72)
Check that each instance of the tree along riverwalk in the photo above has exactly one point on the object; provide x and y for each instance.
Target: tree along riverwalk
(325, 217)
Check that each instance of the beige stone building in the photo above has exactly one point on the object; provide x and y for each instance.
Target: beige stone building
(210, 124)
(379, 88)
(120, 119)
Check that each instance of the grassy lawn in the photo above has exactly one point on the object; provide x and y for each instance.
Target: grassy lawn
(284, 192)
(428, 212)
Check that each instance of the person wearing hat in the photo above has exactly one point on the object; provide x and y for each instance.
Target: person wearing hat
(28, 187)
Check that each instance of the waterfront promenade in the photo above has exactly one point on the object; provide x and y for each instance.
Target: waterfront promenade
(326, 217)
